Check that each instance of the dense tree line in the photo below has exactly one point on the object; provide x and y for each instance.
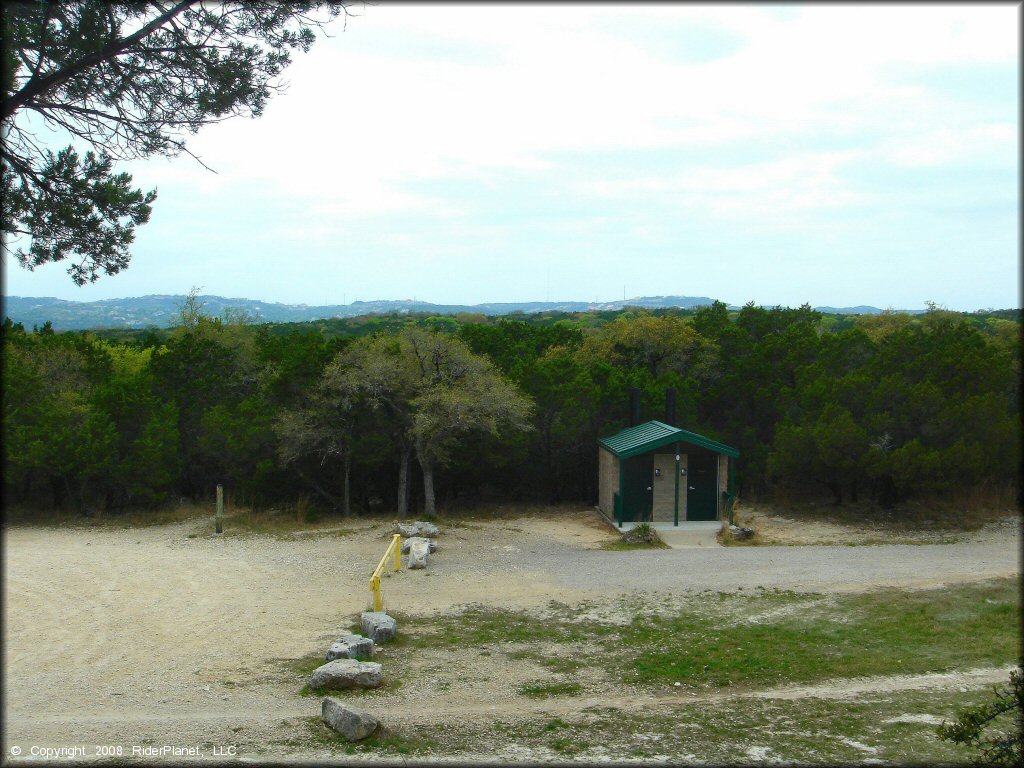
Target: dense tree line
(391, 413)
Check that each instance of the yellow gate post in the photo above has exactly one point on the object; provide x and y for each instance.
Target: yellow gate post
(396, 545)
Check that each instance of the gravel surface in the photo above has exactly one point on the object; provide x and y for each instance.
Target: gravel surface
(171, 635)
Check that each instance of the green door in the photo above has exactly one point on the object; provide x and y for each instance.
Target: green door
(637, 483)
(702, 486)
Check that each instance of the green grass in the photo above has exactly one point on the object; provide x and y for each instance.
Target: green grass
(884, 632)
(804, 731)
(480, 625)
(709, 641)
(557, 664)
(543, 689)
(305, 665)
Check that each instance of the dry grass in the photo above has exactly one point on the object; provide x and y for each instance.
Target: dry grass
(133, 518)
(969, 511)
(497, 511)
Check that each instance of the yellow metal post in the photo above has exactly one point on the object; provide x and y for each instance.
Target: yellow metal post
(396, 545)
(375, 590)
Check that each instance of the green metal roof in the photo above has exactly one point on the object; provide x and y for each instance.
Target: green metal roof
(653, 434)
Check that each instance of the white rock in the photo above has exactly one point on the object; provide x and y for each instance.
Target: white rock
(418, 553)
(406, 543)
(418, 528)
(351, 722)
(350, 647)
(378, 626)
(346, 673)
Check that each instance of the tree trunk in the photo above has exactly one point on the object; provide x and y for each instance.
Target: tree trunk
(57, 488)
(837, 491)
(427, 466)
(403, 483)
(888, 495)
(346, 498)
(549, 468)
(333, 500)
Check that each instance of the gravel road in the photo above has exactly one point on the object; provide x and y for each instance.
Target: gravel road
(807, 568)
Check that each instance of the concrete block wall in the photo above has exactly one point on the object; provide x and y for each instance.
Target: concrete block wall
(664, 487)
(607, 481)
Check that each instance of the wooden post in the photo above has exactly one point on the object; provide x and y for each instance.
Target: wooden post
(220, 507)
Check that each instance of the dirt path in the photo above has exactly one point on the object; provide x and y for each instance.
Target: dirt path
(164, 636)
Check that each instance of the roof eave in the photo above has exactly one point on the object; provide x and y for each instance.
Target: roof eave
(677, 436)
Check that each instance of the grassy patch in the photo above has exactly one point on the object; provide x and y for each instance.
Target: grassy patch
(133, 518)
(282, 523)
(455, 514)
(944, 514)
(482, 626)
(561, 665)
(544, 689)
(884, 632)
(305, 665)
(897, 727)
(765, 638)
(558, 664)
(642, 536)
(893, 727)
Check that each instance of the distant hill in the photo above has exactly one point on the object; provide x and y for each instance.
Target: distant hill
(162, 311)
(865, 310)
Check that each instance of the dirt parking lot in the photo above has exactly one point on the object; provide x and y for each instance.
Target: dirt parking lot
(171, 635)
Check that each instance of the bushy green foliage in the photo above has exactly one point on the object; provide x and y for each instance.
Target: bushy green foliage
(996, 728)
(382, 413)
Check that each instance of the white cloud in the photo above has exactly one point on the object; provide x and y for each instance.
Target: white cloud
(940, 146)
(357, 129)
(777, 193)
(438, 112)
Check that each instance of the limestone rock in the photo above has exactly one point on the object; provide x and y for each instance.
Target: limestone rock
(341, 674)
(740, 533)
(350, 646)
(378, 626)
(406, 543)
(351, 722)
(418, 528)
(418, 553)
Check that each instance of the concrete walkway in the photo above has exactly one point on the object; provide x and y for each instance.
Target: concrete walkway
(688, 534)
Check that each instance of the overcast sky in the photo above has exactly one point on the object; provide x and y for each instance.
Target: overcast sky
(830, 154)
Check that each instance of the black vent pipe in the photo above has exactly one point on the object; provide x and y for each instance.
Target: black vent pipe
(634, 406)
(670, 407)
